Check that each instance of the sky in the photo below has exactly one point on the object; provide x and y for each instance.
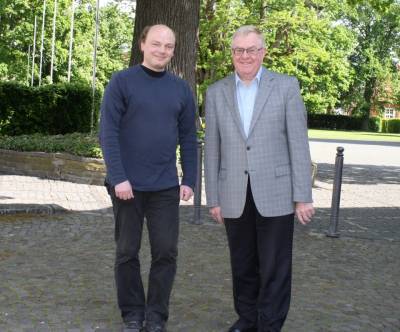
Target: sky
(103, 2)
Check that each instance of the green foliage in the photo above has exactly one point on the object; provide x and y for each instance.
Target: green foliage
(391, 126)
(342, 51)
(77, 144)
(16, 36)
(335, 122)
(49, 109)
(374, 124)
(308, 42)
(218, 21)
(387, 92)
(302, 40)
(376, 26)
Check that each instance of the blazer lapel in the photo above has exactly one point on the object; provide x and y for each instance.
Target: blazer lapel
(264, 91)
(231, 99)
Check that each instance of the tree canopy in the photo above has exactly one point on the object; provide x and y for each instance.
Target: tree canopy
(345, 53)
(17, 31)
(338, 49)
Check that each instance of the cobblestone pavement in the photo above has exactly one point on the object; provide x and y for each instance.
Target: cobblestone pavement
(56, 270)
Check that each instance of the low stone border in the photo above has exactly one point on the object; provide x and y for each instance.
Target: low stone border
(7, 209)
(57, 166)
(63, 166)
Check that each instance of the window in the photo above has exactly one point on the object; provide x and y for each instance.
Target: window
(390, 113)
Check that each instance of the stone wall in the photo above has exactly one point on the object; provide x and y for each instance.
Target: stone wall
(58, 166)
(63, 166)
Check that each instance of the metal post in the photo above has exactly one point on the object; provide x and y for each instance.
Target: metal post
(53, 41)
(337, 185)
(41, 45)
(71, 40)
(197, 189)
(33, 51)
(29, 64)
(96, 37)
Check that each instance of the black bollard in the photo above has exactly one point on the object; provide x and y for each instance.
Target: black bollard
(337, 187)
(197, 189)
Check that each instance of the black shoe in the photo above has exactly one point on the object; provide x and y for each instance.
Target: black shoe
(152, 326)
(133, 326)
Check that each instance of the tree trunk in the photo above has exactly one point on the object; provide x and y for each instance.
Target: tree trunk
(368, 96)
(182, 16)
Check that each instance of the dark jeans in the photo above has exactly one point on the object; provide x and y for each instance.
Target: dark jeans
(261, 259)
(161, 209)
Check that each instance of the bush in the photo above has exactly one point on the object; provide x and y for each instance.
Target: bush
(374, 124)
(50, 109)
(391, 126)
(335, 122)
(84, 145)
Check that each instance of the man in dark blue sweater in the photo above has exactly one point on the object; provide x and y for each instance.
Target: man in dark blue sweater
(146, 112)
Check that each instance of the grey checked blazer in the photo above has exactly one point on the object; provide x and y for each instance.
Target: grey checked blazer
(275, 154)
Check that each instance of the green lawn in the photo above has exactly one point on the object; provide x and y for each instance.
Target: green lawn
(353, 135)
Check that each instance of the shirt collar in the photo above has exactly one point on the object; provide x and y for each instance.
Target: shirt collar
(257, 78)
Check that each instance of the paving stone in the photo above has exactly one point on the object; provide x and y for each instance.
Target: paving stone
(57, 269)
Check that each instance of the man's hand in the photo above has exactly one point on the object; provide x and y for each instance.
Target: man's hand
(124, 190)
(216, 214)
(185, 193)
(304, 212)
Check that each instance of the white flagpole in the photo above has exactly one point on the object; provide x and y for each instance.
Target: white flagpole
(41, 45)
(34, 50)
(53, 40)
(71, 40)
(29, 64)
(96, 35)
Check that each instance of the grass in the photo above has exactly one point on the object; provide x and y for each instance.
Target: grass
(353, 135)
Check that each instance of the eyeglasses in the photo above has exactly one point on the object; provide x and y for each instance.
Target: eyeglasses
(251, 51)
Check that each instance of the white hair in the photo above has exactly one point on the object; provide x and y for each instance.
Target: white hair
(246, 30)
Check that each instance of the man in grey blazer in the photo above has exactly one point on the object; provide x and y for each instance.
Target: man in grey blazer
(258, 176)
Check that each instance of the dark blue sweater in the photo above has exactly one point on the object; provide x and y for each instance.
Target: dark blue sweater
(143, 118)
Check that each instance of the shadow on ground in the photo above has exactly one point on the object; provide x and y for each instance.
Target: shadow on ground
(57, 274)
(30, 209)
(360, 174)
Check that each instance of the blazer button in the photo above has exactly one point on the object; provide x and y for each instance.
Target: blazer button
(245, 172)
(248, 148)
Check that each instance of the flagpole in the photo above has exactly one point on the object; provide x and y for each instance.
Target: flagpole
(53, 40)
(41, 45)
(34, 50)
(29, 64)
(96, 36)
(71, 40)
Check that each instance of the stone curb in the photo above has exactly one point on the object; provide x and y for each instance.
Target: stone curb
(57, 166)
(7, 209)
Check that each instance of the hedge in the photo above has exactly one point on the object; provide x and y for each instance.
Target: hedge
(374, 124)
(391, 126)
(341, 122)
(50, 109)
(85, 145)
(335, 122)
